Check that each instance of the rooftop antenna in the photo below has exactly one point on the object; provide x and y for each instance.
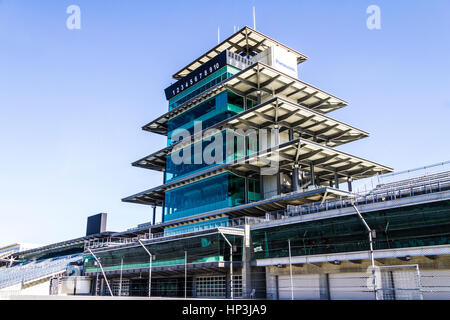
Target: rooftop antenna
(254, 18)
(218, 34)
(234, 29)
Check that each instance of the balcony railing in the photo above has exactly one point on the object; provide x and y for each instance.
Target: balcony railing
(382, 193)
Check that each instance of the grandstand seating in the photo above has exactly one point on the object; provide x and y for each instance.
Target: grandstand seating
(426, 179)
(28, 271)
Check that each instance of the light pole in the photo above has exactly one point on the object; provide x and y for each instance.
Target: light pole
(149, 269)
(231, 265)
(103, 272)
(372, 258)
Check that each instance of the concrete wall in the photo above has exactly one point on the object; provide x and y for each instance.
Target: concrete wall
(352, 280)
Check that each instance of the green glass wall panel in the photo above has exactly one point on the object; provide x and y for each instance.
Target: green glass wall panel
(188, 156)
(412, 226)
(222, 106)
(209, 248)
(221, 191)
(198, 226)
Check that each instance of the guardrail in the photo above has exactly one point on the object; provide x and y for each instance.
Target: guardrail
(373, 196)
(118, 241)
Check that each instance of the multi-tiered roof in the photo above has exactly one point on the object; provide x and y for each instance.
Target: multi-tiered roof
(294, 105)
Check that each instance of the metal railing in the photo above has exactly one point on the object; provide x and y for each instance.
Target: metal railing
(382, 193)
(119, 241)
(374, 196)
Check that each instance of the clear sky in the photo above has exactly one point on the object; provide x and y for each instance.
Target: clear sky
(72, 102)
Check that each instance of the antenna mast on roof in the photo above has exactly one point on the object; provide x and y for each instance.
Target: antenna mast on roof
(254, 18)
(218, 34)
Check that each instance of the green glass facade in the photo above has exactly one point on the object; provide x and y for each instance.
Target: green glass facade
(403, 227)
(214, 110)
(221, 191)
(208, 248)
(198, 226)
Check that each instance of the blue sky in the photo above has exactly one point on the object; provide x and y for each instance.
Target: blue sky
(72, 102)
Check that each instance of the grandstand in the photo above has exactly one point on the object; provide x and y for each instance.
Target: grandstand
(30, 271)
(34, 270)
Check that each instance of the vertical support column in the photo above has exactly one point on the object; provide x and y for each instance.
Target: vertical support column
(120, 281)
(324, 284)
(261, 186)
(276, 128)
(163, 210)
(154, 215)
(246, 146)
(185, 274)
(313, 176)
(349, 184)
(258, 92)
(295, 186)
(246, 190)
(96, 283)
(290, 270)
(246, 259)
(300, 177)
(336, 180)
(278, 175)
(101, 286)
(291, 134)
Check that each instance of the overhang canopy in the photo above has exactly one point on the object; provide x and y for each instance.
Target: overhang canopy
(263, 79)
(328, 163)
(246, 42)
(305, 122)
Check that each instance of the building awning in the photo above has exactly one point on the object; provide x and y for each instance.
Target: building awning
(328, 163)
(305, 122)
(245, 42)
(264, 79)
(268, 81)
(258, 208)
(159, 125)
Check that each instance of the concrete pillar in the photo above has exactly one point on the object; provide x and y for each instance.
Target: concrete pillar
(278, 183)
(295, 185)
(291, 134)
(102, 287)
(246, 190)
(154, 214)
(246, 259)
(324, 285)
(245, 146)
(261, 187)
(349, 184)
(276, 128)
(336, 180)
(313, 176)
